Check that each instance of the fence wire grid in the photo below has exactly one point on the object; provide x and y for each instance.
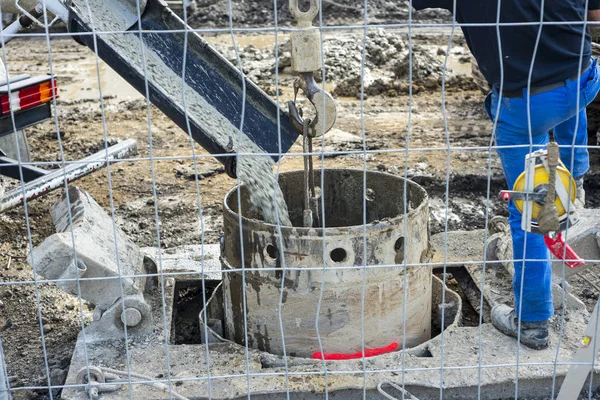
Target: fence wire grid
(139, 280)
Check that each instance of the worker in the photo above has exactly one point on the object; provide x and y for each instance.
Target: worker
(564, 80)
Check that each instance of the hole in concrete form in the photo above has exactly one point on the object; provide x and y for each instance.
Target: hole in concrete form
(423, 352)
(460, 281)
(338, 255)
(339, 311)
(399, 249)
(399, 244)
(272, 251)
(188, 302)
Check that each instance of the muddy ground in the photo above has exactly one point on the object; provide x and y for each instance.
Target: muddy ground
(383, 118)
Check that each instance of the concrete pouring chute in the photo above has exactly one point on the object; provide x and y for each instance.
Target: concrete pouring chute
(387, 287)
(189, 81)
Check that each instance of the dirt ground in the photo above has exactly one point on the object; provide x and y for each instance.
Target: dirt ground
(128, 191)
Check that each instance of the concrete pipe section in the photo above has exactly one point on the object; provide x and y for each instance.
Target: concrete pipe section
(294, 262)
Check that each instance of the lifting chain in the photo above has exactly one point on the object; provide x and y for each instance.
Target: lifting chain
(311, 201)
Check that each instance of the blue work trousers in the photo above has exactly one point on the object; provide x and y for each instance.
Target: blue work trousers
(557, 110)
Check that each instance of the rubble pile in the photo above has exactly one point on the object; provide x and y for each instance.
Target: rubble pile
(215, 13)
(386, 67)
(257, 64)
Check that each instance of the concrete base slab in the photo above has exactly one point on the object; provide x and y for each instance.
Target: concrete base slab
(188, 261)
(462, 361)
(493, 279)
(583, 237)
(231, 377)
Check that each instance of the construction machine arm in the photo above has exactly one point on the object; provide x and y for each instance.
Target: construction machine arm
(9, 6)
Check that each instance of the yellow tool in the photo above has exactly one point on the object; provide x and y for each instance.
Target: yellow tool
(530, 193)
(540, 185)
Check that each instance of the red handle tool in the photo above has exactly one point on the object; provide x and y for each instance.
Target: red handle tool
(559, 248)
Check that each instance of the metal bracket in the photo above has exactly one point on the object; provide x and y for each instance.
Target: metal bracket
(405, 393)
(304, 18)
(56, 7)
(28, 18)
(514, 195)
(11, 169)
(55, 179)
(131, 311)
(306, 49)
(96, 381)
(323, 103)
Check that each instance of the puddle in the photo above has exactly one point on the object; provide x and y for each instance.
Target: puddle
(85, 86)
(459, 67)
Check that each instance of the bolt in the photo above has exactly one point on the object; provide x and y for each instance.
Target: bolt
(131, 317)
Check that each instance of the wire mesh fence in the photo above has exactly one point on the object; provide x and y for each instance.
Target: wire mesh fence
(231, 200)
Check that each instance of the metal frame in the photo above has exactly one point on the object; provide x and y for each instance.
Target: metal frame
(12, 169)
(25, 119)
(47, 181)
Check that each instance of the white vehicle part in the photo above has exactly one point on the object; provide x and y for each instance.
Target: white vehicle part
(9, 6)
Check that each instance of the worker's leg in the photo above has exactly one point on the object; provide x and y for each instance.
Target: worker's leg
(521, 121)
(516, 131)
(532, 279)
(571, 135)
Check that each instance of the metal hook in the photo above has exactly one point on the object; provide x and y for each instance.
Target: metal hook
(322, 102)
(304, 17)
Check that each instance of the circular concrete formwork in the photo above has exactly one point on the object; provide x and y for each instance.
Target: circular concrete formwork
(341, 248)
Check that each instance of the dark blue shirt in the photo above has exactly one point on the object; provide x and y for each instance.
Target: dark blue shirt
(559, 49)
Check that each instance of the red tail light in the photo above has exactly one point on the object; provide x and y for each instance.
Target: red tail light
(23, 96)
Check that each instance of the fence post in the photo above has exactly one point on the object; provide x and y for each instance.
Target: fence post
(4, 393)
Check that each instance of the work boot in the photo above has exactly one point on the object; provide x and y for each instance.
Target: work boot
(533, 334)
(580, 197)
